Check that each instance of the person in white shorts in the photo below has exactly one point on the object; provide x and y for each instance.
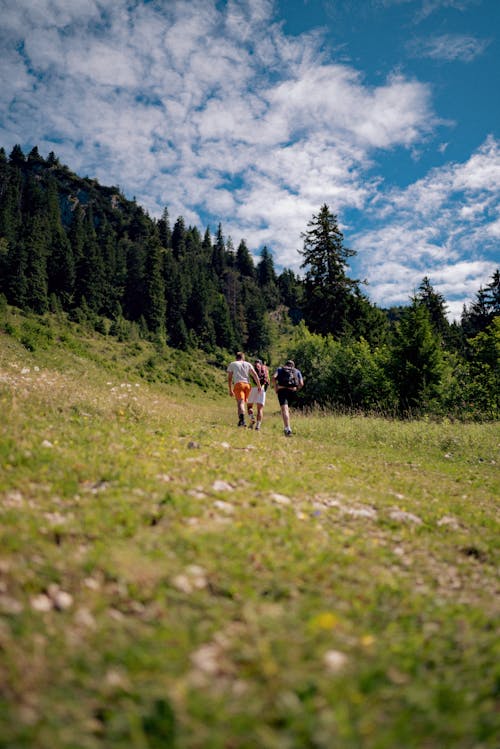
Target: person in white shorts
(257, 397)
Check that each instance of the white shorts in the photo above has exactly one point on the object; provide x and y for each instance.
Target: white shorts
(256, 397)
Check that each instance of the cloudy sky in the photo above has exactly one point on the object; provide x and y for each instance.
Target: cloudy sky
(254, 113)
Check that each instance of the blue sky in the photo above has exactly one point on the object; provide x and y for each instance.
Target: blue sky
(254, 113)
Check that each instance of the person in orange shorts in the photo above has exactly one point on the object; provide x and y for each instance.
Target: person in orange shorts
(238, 380)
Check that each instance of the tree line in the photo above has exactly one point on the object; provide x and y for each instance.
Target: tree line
(69, 244)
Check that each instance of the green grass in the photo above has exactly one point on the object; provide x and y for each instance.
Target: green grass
(338, 590)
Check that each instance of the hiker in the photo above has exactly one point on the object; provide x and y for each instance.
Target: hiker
(287, 382)
(238, 380)
(257, 398)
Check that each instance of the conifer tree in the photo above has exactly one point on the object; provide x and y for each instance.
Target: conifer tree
(206, 246)
(327, 287)
(244, 261)
(154, 303)
(417, 361)
(267, 279)
(36, 266)
(60, 260)
(179, 238)
(435, 304)
(219, 253)
(164, 230)
(89, 281)
(17, 157)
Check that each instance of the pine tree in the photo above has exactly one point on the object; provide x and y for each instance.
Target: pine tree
(435, 304)
(244, 261)
(179, 238)
(267, 279)
(493, 294)
(417, 360)
(17, 157)
(164, 230)
(89, 280)
(36, 266)
(60, 260)
(327, 287)
(219, 253)
(154, 303)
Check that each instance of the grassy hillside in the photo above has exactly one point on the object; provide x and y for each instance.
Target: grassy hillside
(169, 580)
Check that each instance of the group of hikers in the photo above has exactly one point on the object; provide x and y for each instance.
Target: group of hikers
(287, 380)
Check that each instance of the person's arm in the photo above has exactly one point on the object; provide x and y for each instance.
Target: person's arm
(256, 378)
(300, 380)
(275, 381)
(230, 383)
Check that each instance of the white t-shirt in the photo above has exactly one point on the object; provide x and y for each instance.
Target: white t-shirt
(240, 370)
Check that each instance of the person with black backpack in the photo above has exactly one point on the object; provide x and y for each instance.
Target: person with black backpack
(258, 398)
(287, 382)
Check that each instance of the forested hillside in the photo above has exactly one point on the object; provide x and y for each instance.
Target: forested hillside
(69, 245)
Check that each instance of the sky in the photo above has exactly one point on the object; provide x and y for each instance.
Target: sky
(255, 113)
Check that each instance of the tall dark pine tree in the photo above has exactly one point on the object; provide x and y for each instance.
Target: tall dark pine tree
(89, 282)
(154, 304)
(60, 261)
(244, 261)
(328, 289)
(493, 294)
(219, 253)
(417, 360)
(36, 265)
(435, 304)
(164, 230)
(179, 238)
(267, 279)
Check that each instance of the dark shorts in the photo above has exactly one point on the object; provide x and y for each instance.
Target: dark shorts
(286, 396)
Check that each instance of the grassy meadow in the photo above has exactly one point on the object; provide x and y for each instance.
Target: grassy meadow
(169, 580)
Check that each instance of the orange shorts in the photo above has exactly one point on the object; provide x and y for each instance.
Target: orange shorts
(242, 391)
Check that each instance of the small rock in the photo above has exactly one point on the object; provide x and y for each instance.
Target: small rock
(450, 521)
(335, 661)
(224, 506)
(206, 658)
(9, 605)
(405, 517)
(222, 486)
(281, 499)
(41, 603)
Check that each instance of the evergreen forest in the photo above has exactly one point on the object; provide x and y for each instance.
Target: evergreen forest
(72, 247)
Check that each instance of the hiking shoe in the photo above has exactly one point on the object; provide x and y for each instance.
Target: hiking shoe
(257, 428)
(241, 424)
(252, 423)
(287, 432)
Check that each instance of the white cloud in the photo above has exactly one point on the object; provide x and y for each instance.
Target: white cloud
(449, 47)
(427, 228)
(217, 113)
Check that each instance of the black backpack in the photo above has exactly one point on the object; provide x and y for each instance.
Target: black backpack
(287, 377)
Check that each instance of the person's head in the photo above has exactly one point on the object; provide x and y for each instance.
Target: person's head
(240, 356)
(258, 362)
(290, 363)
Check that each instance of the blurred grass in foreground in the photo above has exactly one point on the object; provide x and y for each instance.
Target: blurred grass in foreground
(167, 580)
